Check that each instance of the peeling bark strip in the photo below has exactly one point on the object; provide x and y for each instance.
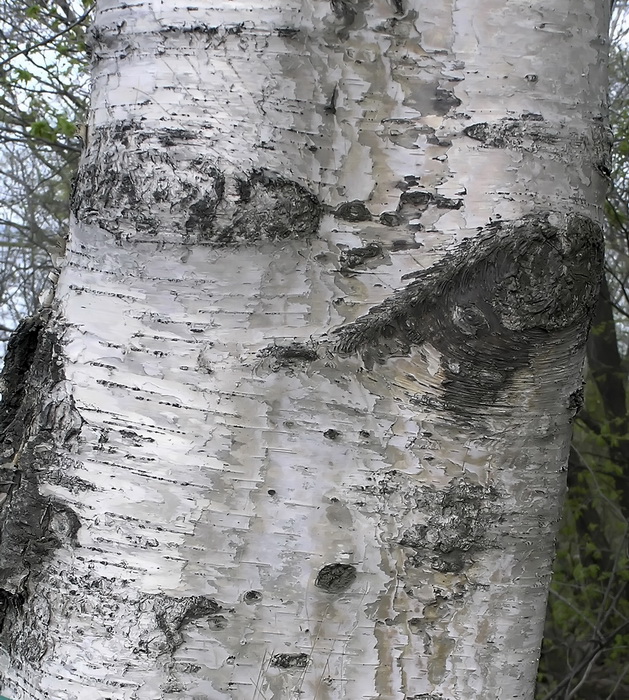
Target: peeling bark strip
(134, 182)
(489, 304)
(36, 418)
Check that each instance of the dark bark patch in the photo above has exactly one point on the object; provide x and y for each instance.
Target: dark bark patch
(152, 182)
(171, 137)
(202, 211)
(525, 134)
(412, 204)
(576, 400)
(403, 244)
(288, 32)
(408, 182)
(489, 304)
(415, 201)
(289, 660)
(270, 208)
(353, 211)
(199, 28)
(447, 203)
(129, 182)
(444, 101)
(30, 634)
(332, 434)
(354, 257)
(457, 522)
(390, 218)
(173, 614)
(330, 107)
(532, 116)
(17, 364)
(335, 578)
(37, 418)
(436, 141)
(289, 355)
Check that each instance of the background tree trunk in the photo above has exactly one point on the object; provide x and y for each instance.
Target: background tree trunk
(297, 421)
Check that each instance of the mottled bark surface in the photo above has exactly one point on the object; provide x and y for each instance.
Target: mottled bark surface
(297, 422)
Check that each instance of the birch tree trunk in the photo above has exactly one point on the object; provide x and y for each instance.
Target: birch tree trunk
(296, 421)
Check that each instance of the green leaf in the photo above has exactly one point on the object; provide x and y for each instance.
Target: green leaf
(42, 130)
(65, 126)
(24, 75)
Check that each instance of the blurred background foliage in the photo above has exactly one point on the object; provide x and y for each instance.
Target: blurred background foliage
(44, 91)
(44, 86)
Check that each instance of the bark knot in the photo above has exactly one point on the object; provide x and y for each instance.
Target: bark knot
(490, 304)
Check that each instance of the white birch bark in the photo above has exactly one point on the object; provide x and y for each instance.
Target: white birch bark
(296, 422)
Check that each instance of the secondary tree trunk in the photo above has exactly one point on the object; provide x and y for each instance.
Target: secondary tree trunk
(296, 422)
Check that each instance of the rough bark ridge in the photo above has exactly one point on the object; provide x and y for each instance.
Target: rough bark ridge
(136, 178)
(37, 420)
